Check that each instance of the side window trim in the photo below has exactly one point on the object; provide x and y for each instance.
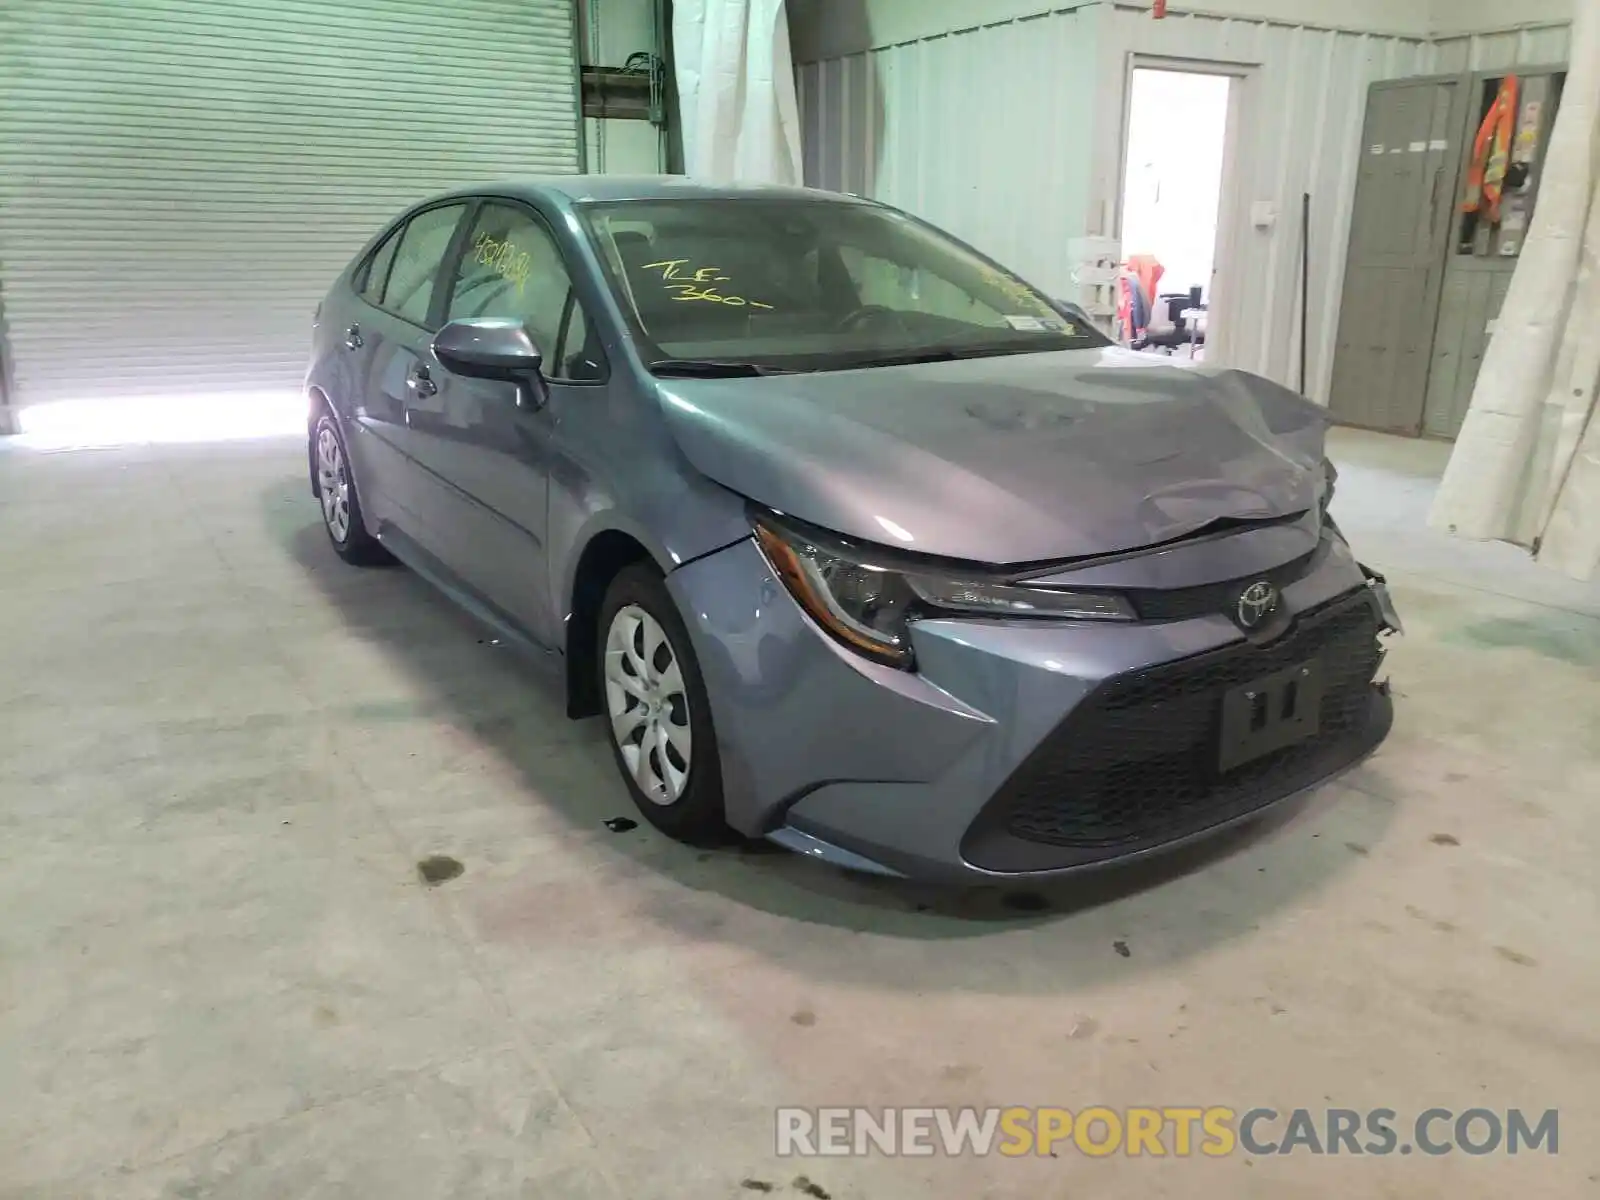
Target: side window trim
(458, 249)
(361, 277)
(566, 320)
(367, 289)
(574, 307)
(395, 239)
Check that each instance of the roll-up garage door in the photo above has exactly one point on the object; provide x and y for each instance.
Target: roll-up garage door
(180, 180)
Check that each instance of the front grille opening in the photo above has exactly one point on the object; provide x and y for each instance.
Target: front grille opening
(1137, 762)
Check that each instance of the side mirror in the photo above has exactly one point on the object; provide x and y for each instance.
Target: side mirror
(494, 348)
(489, 348)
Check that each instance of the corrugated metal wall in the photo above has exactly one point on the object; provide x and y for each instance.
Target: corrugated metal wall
(983, 132)
(1010, 136)
(1539, 46)
(1300, 132)
(181, 180)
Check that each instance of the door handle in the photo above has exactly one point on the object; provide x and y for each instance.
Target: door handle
(421, 383)
(352, 338)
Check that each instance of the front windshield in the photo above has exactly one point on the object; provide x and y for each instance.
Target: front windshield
(812, 285)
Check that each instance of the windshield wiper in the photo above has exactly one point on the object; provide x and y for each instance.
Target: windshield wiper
(931, 354)
(709, 368)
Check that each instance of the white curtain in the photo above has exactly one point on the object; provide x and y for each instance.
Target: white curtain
(736, 90)
(1526, 467)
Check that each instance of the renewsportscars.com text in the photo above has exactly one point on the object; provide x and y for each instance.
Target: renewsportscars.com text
(1212, 1132)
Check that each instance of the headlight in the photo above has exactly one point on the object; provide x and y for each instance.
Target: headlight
(864, 606)
(869, 605)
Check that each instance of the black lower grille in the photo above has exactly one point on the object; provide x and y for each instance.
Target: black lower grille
(1137, 761)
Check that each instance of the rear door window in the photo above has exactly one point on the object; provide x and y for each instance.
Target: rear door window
(422, 249)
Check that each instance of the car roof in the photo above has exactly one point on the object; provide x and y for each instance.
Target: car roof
(579, 189)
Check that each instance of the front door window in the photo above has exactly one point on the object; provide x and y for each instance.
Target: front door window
(510, 267)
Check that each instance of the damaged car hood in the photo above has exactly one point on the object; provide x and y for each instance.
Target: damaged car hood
(1008, 459)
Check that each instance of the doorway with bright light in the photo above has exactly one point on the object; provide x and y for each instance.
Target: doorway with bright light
(1172, 202)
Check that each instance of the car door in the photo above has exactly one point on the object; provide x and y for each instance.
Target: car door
(375, 456)
(490, 442)
(394, 334)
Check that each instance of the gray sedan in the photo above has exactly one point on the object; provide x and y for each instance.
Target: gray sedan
(855, 540)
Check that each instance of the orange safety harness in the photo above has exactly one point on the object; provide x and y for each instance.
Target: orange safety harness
(1491, 153)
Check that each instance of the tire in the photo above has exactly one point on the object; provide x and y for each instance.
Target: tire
(336, 492)
(664, 711)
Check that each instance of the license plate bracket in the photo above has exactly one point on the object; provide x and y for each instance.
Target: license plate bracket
(1269, 714)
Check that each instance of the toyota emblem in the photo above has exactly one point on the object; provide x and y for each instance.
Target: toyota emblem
(1256, 603)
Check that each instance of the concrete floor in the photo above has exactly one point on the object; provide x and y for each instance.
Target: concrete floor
(223, 753)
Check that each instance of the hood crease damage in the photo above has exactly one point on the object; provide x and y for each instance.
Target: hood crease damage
(1010, 460)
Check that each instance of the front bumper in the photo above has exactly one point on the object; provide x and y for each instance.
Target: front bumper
(1016, 750)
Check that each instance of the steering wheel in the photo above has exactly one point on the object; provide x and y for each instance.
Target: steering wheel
(860, 316)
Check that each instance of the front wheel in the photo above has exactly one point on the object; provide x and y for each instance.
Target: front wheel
(655, 701)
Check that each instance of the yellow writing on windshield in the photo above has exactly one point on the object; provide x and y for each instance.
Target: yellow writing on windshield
(501, 257)
(698, 283)
(1019, 293)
